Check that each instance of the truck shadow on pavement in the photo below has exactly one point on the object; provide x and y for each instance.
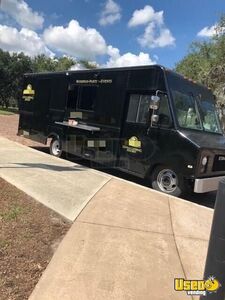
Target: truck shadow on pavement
(49, 167)
(206, 199)
(53, 167)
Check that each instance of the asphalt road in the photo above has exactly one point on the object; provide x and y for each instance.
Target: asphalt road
(207, 199)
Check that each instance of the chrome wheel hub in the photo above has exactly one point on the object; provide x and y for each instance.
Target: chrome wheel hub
(167, 180)
(56, 147)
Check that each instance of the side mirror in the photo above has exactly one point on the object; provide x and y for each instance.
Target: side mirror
(154, 103)
(154, 119)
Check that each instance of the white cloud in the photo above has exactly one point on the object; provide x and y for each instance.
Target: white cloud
(75, 40)
(22, 13)
(144, 16)
(156, 33)
(154, 37)
(207, 31)
(80, 66)
(113, 52)
(110, 14)
(25, 40)
(117, 60)
(156, 57)
(127, 59)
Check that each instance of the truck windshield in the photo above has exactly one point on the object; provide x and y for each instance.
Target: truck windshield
(196, 113)
(194, 105)
(186, 110)
(209, 116)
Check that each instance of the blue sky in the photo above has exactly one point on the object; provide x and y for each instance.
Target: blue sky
(110, 32)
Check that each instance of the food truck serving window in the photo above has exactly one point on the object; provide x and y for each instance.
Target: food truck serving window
(72, 97)
(87, 98)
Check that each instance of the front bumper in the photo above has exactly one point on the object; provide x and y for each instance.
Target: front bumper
(204, 185)
(22, 132)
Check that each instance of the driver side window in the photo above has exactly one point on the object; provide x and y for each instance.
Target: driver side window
(138, 110)
(164, 111)
(143, 109)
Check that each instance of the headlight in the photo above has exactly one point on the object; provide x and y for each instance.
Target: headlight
(204, 160)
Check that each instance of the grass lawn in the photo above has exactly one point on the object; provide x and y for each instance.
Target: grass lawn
(8, 111)
(29, 235)
(5, 112)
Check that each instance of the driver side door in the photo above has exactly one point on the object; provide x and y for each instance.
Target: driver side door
(134, 140)
(142, 141)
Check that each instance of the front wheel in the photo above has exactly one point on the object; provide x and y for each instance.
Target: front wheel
(56, 147)
(166, 180)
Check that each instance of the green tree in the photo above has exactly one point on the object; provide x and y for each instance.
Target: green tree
(87, 64)
(20, 64)
(43, 63)
(5, 91)
(12, 68)
(64, 63)
(205, 62)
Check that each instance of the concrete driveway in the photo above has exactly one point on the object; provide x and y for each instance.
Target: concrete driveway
(127, 241)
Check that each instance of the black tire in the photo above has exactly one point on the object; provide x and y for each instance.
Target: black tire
(56, 147)
(165, 179)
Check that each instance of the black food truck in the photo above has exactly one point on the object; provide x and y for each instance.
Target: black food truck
(147, 121)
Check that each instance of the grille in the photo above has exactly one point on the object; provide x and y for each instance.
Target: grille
(219, 163)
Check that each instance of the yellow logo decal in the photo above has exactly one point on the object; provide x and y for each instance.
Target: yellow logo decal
(28, 93)
(133, 145)
(134, 142)
(197, 287)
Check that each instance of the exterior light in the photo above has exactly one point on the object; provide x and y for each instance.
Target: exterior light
(204, 160)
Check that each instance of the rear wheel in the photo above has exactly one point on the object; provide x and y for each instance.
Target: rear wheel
(56, 147)
(166, 180)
